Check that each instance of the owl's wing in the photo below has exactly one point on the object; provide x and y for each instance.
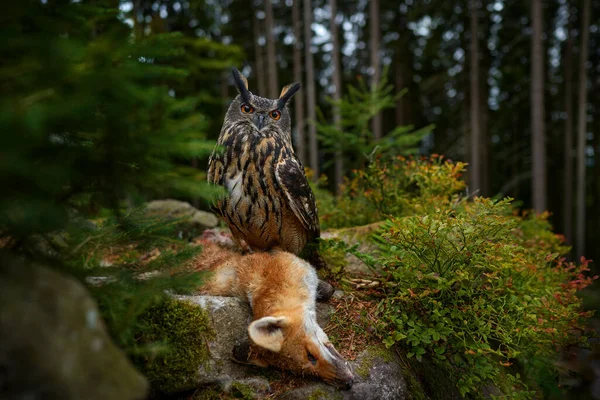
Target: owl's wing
(215, 167)
(291, 178)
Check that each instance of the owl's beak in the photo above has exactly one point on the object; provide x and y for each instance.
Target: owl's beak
(259, 120)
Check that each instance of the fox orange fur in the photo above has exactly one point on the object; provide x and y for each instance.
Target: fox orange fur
(281, 289)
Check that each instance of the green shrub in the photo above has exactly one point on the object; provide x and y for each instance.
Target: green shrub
(392, 187)
(479, 287)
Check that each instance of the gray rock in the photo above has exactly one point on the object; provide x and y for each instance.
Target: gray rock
(176, 209)
(378, 372)
(324, 313)
(53, 344)
(315, 391)
(230, 318)
(260, 387)
(382, 380)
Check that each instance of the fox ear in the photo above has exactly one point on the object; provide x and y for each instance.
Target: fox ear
(267, 332)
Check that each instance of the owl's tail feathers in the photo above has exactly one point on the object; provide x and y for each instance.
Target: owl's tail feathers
(311, 254)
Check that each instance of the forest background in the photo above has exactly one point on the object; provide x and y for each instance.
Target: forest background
(508, 86)
(108, 104)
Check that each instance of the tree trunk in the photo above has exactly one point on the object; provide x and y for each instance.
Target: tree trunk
(310, 91)
(538, 178)
(400, 84)
(568, 188)
(259, 58)
(299, 97)
(485, 58)
(375, 63)
(271, 57)
(138, 27)
(581, 131)
(337, 93)
(403, 74)
(475, 160)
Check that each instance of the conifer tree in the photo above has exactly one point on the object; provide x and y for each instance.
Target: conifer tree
(353, 137)
(93, 119)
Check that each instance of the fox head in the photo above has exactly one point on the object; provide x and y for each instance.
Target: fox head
(298, 345)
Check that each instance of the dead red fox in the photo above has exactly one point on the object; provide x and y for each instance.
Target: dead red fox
(281, 289)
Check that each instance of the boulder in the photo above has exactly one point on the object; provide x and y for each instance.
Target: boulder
(324, 313)
(53, 343)
(195, 219)
(230, 318)
(378, 377)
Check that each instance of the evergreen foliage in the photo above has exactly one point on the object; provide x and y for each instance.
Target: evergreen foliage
(95, 121)
(354, 138)
(90, 115)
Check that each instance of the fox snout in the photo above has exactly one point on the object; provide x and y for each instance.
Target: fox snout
(344, 377)
(344, 383)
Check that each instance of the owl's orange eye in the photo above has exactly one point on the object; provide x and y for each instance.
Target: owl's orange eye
(275, 114)
(247, 108)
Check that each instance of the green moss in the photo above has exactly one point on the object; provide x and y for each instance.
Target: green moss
(241, 391)
(183, 331)
(320, 394)
(372, 353)
(208, 393)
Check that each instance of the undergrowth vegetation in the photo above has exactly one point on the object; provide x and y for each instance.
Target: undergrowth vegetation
(472, 284)
(131, 264)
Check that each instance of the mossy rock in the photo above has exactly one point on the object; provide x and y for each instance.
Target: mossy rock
(246, 389)
(191, 220)
(316, 391)
(183, 330)
(370, 356)
(427, 381)
(53, 343)
(378, 377)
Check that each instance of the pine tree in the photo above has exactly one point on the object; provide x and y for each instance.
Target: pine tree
(97, 117)
(353, 137)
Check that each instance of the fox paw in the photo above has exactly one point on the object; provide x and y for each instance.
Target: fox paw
(241, 353)
(324, 291)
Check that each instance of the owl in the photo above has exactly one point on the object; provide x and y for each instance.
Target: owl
(269, 204)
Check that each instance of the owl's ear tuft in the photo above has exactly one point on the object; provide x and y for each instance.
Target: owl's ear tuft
(241, 84)
(286, 94)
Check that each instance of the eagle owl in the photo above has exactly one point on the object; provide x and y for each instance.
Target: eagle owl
(269, 203)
